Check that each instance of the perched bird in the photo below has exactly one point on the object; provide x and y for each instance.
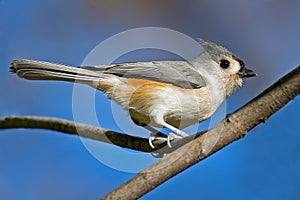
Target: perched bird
(170, 94)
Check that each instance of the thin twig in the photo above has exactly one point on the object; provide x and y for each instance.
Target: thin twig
(92, 132)
(72, 128)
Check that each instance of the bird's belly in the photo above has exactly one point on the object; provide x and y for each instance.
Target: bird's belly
(182, 107)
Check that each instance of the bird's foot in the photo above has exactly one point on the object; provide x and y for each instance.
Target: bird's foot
(156, 136)
(171, 136)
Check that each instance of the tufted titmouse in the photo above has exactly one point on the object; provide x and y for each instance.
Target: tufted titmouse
(170, 94)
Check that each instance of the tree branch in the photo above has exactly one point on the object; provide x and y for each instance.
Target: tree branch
(72, 128)
(94, 133)
(233, 127)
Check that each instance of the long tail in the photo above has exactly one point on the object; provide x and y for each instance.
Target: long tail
(38, 70)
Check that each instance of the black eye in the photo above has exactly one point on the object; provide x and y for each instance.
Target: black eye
(224, 63)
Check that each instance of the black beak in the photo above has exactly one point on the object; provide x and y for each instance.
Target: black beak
(246, 73)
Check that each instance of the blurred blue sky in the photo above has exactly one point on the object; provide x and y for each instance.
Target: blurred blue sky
(39, 164)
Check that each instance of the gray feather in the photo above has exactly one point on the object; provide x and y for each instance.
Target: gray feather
(38, 70)
(178, 73)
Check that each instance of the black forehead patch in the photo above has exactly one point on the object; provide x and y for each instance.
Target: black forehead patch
(239, 60)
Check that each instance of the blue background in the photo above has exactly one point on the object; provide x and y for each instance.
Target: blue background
(39, 164)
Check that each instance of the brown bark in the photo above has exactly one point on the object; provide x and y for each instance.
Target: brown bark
(233, 127)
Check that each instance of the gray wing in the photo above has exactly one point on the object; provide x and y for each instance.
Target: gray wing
(178, 73)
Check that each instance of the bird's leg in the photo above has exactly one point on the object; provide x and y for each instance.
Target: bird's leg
(157, 116)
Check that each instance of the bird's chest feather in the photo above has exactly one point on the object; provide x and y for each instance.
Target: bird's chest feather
(183, 107)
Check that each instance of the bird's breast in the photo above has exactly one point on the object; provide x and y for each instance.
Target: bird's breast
(183, 107)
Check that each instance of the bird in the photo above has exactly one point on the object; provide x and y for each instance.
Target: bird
(163, 94)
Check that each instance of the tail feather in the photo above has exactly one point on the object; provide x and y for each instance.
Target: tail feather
(38, 70)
